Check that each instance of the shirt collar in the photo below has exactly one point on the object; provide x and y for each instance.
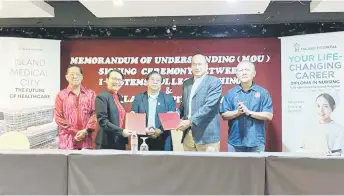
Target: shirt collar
(200, 78)
(253, 87)
(153, 96)
(70, 89)
(111, 91)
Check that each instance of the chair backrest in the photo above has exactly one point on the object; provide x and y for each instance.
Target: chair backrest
(14, 140)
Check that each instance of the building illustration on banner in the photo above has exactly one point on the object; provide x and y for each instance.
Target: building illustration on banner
(36, 123)
(31, 69)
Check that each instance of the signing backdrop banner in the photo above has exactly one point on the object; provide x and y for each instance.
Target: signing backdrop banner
(30, 74)
(172, 58)
(312, 92)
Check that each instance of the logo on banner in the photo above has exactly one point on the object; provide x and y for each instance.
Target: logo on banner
(297, 47)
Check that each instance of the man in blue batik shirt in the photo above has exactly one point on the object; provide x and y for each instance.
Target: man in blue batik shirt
(246, 107)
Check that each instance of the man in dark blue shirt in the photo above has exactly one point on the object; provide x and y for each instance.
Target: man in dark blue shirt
(153, 102)
(246, 107)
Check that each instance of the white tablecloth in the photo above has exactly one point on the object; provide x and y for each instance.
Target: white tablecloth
(104, 172)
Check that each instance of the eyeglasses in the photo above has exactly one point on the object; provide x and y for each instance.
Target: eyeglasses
(121, 81)
(75, 74)
(246, 70)
(155, 80)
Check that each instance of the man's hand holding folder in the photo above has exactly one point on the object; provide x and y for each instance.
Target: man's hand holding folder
(153, 132)
(127, 132)
(169, 120)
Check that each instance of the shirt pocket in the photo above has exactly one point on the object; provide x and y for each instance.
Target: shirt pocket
(255, 104)
(235, 100)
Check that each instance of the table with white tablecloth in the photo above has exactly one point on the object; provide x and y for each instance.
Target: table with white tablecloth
(106, 172)
(33, 172)
(304, 175)
(165, 173)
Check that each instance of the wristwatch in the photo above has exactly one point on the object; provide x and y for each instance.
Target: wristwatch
(89, 130)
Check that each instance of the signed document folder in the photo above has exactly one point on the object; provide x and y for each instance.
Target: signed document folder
(170, 120)
(136, 122)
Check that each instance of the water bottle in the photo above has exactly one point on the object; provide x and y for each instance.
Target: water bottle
(134, 143)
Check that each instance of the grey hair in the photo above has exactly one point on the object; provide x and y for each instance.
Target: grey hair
(248, 62)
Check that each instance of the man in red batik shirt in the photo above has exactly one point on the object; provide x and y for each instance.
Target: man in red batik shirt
(75, 112)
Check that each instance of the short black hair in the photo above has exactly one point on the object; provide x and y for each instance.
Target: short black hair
(114, 70)
(73, 65)
(154, 72)
(329, 99)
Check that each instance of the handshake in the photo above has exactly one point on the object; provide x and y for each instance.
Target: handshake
(149, 131)
(154, 132)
